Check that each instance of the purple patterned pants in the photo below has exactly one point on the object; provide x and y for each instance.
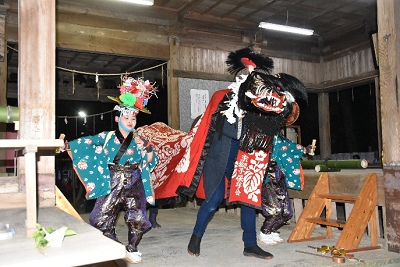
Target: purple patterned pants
(127, 193)
(276, 206)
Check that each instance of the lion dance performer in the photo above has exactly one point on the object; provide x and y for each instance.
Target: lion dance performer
(225, 156)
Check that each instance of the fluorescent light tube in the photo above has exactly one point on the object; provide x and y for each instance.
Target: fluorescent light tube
(141, 2)
(284, 28)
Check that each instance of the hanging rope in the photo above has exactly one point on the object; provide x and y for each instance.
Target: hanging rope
(73, 82)
(162, 75)
(75, 117)
(103, 74)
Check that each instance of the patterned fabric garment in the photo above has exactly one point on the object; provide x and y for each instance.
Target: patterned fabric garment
(127, 193)
(276, 206)
(287, 155)
(91, 161)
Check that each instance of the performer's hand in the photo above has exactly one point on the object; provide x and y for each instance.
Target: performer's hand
(150, 200)
(139, 141)
(63, 148)
(144, 143)
(310, 150)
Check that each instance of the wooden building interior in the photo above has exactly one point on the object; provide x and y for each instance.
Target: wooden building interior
(75, 51)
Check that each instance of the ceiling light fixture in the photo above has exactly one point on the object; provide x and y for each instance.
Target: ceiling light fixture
(284, 28)
(141, 2)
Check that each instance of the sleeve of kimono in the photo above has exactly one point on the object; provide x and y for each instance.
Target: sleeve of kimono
(294, 149)
(289, 156)
(147, 168)
(83, 144)
(90, 164)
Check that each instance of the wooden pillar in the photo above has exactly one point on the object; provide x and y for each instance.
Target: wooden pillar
(3, 82)
(378, 116)
(173, 86)
(36, 87)
(324, 126)
(389, 71)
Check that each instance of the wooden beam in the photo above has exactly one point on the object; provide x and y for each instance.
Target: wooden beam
(202, 75)
(108, 9)
(324, 126)
(389, 69)
(111, 45)
(36, 99)
(364, 78)
(3, 78)
(173, 85)
(110, 23)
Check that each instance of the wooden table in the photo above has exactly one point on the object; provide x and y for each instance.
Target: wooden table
(29, 149)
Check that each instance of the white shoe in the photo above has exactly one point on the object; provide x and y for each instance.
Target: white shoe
(267, 239)
(277, 238)
(133, 257)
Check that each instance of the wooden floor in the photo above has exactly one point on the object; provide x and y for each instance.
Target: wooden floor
(166, 247)
(88, 246)
(222, 245)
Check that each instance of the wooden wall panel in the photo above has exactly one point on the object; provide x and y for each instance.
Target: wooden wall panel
(348, 66)
(197, 59)
(307, 72)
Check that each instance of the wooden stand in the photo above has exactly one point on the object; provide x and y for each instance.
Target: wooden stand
(356, 224)
(30, 147)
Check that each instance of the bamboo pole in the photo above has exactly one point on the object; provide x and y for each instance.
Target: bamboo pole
(9, 114)
(345, 164)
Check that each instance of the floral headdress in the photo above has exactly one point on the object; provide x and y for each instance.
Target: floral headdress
(135, 93)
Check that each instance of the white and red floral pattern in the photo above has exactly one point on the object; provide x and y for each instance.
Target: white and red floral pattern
(169, 145)
(88, 141)
(82, 165)
(100, 169)
(116, 141)
(247, 177)
(98, 149)
(90, 187)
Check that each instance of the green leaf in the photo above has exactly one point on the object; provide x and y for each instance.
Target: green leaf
(38, 226)
(38, 238)
(49, 230)
(70, 232)
(43, 242)
(35, 234)
(62, 229)
(38, 234)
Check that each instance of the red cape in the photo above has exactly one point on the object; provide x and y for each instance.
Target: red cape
(179, 153)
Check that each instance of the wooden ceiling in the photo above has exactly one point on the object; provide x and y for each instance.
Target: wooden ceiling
(339, 25)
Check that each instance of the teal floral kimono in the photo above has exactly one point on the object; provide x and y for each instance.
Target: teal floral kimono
(287, 155)
(92, 154)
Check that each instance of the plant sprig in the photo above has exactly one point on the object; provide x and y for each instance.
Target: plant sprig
(41, 236)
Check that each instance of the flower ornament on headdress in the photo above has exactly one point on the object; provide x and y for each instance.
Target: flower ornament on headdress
(135, 94)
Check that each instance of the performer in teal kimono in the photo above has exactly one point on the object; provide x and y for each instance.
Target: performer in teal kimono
(115, 168)
(283, 172)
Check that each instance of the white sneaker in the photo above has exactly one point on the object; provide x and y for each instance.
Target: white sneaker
(276, 237)
(267, 239)
(133, 257)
